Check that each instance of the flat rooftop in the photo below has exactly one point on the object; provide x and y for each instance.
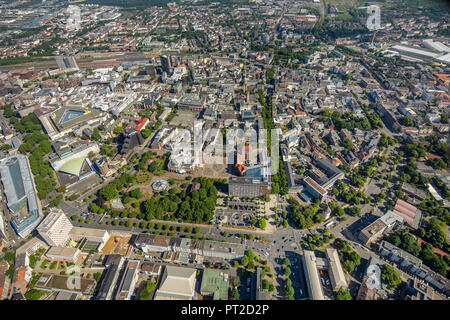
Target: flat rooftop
(61, 252)
(49, 281)
(87, 232)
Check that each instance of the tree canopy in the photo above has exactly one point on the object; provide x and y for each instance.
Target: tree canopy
(390, 277)
(343, 295)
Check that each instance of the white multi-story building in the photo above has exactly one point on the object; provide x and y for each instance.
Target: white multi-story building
(335, 270)
(55, 228)
(177, 283)
(91, 235)
(312, 276)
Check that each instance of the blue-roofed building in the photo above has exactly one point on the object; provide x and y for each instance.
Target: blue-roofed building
(257, 172)
(15, 143)
(248, 115)
(22, 200)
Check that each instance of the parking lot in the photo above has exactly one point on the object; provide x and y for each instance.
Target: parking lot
(240, 213)
(297, 276)
(247, 204)
(94, 218)
(235, 218)
(184, 118)
(326, 283)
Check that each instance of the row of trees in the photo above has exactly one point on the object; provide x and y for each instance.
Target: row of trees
(279, 180)
(36, 145)
(20, 59)
(288, 289)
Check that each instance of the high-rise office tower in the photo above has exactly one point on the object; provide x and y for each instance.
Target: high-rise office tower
(166, 64)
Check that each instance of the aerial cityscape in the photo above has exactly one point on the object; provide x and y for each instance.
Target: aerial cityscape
(240, 150)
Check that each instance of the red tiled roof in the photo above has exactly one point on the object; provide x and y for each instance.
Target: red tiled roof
(406, 211)
(142, 124)
(240, 167)
(433, 157)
